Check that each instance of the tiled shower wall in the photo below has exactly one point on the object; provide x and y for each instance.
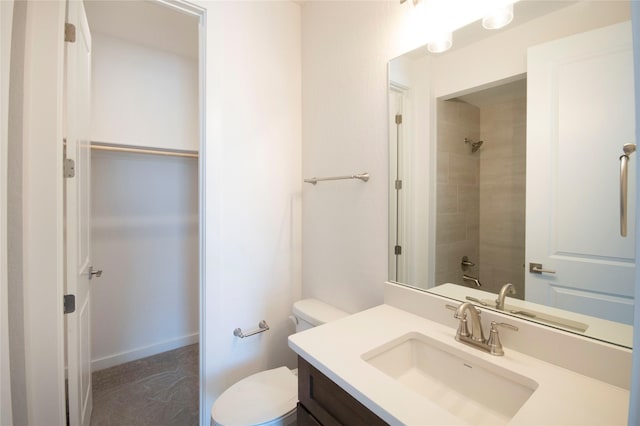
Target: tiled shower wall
(502, 194)
(481, 196)
(458, 191)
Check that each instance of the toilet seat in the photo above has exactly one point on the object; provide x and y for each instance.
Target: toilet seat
(258, 399)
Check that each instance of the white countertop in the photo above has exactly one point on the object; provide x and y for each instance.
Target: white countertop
(563, 397)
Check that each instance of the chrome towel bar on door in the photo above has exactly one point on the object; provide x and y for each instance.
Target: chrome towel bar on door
(262, 327)
(362, 176)
(628, 149)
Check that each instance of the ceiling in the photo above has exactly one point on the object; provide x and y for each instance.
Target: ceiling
(149, 23)
(502, 93)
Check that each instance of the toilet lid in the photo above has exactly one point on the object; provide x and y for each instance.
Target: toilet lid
(257, 399)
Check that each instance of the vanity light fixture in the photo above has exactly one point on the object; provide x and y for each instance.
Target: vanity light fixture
(435, 20)
(498, 18)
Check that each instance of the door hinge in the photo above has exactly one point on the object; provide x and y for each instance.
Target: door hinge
(398, 118)
(69, 168)
(397, 250)
(69, 32)
(398, 184)
(69, 303)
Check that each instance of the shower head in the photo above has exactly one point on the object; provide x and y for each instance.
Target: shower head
(475, 146)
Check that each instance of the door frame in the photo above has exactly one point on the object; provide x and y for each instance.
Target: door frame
(43, 250)
(43, 238)
(6, 17)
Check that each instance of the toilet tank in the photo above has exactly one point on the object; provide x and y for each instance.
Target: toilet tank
(312, 312)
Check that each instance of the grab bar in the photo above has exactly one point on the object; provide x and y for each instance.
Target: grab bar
(262, 327)
(628, 149)
(362, 176)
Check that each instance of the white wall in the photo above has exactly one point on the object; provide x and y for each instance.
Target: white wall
(144, 236)
(346, 47)
(37, 150)
(143, 96)
(144, 207)
(345, 130)
(415, 199)
(252, 193)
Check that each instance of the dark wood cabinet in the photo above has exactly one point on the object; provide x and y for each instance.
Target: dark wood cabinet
(322, 402)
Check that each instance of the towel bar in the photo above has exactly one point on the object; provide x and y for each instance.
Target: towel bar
(362, 176)
(262, 327)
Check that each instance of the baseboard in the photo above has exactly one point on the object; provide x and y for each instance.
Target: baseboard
(132, 355)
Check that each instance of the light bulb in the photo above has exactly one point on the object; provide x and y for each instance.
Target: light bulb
(498, 18)
(440, 43)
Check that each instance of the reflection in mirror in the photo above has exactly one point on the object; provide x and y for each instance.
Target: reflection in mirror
(504, 167)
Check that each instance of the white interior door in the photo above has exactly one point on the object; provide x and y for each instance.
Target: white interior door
(77, 202)
(580, 112)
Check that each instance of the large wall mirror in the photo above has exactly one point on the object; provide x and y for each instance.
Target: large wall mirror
(508, 165)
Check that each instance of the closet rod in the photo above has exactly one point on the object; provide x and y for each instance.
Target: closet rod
(101, 146)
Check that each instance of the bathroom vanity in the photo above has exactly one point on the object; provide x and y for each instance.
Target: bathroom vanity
(388, 365)
(321, 401)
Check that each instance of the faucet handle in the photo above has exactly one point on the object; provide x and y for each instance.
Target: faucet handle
(503, 324)
(495, 346)
(455, 308)
(451, 307)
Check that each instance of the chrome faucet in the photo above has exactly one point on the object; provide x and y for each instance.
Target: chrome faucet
(477, 334)
(506, 289)
(474, 280)
(476, 337)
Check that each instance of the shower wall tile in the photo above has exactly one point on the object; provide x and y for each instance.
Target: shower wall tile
(442, 168)
(448, 258)
(451, 228)
(454, 135)
(458, 192)
(481, 196)
(468, 198)
(447, 198)
(502, 194)
(463, 169)
(447, 113)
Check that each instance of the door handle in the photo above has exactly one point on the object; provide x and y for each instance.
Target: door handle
(94, 272)
(536, 268)
(628, 149)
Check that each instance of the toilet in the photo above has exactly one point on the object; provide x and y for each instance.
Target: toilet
(270, 397)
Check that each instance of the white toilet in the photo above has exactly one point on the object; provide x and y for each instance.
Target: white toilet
(270, 397)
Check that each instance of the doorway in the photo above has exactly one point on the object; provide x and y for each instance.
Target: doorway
(145, 234)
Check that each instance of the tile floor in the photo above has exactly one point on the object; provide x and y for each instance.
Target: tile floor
(161, 390)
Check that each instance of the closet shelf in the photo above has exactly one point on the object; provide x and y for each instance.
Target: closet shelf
(103, 146)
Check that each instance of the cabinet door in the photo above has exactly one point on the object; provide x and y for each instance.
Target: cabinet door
(305, 418)
(328, 402)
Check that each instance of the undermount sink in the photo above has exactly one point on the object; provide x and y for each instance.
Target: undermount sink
(474, 390)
